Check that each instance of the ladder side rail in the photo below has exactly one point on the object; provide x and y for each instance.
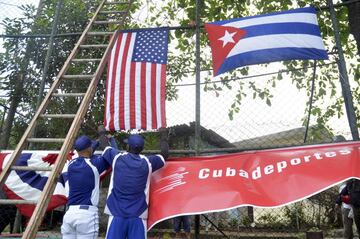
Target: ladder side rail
(22, 143)
(40, 208)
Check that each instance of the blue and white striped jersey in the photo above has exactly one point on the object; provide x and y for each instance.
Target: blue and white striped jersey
(83, 178)
(128, 194)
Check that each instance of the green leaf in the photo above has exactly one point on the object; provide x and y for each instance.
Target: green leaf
(268, 102)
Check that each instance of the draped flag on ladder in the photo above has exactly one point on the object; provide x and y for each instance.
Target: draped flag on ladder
(135, 86)
(28, 185)
(287, 35)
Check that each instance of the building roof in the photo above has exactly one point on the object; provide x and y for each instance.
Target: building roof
(207, 135)
(290, 137)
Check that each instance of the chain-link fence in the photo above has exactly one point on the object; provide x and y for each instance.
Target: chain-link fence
(12, 9)
(266, 107)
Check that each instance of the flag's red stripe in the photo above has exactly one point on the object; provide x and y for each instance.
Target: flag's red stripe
(25, 210)
(113, 77)
(107, 93)
(2, 158)
(132, 96)
(143, 95)
(122, 82)
(153, 96)
(162, 95)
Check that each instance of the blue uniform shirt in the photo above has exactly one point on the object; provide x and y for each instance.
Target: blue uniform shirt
(128, 194)
(83, 175)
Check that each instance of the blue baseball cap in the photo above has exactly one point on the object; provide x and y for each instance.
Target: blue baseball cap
(83, 142)
(135, 141)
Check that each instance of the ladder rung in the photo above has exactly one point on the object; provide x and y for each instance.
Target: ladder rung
(94, 46)
(45, 140)
(113, 12)
(77, 77)
(59, 116)
(108, 22)
(31, 168)
(69, 95)
(99, 33)
(16, 201)
(114, 3)
(85, 60)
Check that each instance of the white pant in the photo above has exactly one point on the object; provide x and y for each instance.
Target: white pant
(80, 222)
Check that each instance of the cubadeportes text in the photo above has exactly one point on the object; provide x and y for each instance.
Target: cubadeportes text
(276, 167)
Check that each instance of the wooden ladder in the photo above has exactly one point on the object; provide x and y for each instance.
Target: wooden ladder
(114, 17)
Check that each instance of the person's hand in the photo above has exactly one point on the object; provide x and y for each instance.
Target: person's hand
(101, 130)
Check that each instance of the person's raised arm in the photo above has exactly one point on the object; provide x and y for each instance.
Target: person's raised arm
(112, 141)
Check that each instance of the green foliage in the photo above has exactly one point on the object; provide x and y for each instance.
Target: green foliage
(22, 62)
(327, 102)
(246, 221)
(325, 201)
(327, 99)
(273, 221)
(296, 215)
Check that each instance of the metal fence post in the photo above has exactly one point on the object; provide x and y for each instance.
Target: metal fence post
(49, 52)
(310, 102)
(47, 59)
(344, 79)
(197, 104)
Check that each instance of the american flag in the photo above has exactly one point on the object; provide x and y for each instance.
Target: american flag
(135, 86)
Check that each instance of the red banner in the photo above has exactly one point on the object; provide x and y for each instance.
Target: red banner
(266, 178)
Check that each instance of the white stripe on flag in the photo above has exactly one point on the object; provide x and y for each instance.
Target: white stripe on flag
(127, 82)
(117, 83)
(281, 18)
(158, 96)
(16, 185)
(34, 161)
(148, 96)
(109, 82)
(138, 95)
(276, 41)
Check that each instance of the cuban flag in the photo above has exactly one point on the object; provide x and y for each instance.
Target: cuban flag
(287, 35)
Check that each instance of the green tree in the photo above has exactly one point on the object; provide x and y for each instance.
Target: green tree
(328, 101)
(22, 62)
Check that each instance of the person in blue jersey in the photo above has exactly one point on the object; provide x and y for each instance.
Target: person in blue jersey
(81, 219)
(128, 196)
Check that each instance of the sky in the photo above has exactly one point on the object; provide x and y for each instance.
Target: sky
(10, 8)
(255, 117)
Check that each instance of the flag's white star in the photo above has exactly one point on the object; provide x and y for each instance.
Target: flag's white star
(228, 37)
